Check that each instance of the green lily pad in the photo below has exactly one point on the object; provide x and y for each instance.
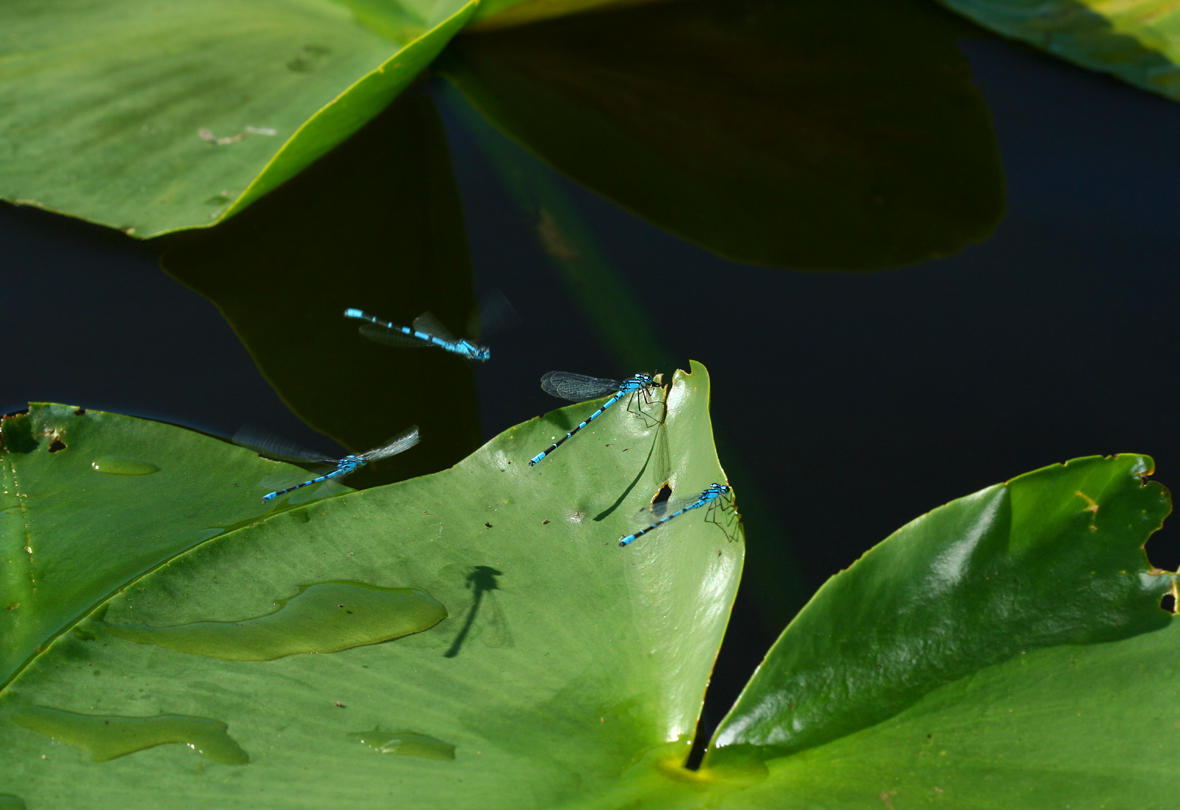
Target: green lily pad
(1135, 40)
(564, 663)
(1083, 726)
(154, 118)
(773, 133)
(93, 500)
(1001, 651)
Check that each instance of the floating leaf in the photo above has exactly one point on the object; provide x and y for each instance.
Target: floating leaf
(1008, 646)
(563, 662)
(153, 118)
(73, 534)
(1136, 40)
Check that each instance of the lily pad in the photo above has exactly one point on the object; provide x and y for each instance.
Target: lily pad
(152, 118)
(1005, 650)
(564, 660)
(76, 527)
(1088, 726)
(1136, 40)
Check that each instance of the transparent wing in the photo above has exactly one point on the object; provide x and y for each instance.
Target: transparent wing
(495, 314)
(493, 630)
(400, 443)
(379, 334)
(577, 387)
(272, 445)
(426, 322)
(665, 508)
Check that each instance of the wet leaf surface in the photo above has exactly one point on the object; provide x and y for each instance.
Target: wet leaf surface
(578, 658)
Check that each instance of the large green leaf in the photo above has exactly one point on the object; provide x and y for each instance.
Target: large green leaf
(565, 661)
(153, 117)
(375, 225)
(1136, 40)
(1085, 727)
(91, 501)
(773, 133)
(999, 649)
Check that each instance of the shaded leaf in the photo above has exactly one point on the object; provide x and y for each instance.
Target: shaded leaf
(773, 133)
(492, 14)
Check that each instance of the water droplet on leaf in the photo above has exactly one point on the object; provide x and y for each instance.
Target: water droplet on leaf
(108, 736)
(120, 465)
(406, 744)
(322, 618)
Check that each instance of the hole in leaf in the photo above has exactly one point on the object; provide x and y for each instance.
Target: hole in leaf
(1162, 550)
(56, 446)
(16, 435)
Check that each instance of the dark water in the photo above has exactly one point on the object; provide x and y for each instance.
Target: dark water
(845, 404)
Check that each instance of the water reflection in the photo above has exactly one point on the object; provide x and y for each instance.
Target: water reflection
(774, 133)
(376, 225)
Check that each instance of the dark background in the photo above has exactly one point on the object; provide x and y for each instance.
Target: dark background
(845, 404)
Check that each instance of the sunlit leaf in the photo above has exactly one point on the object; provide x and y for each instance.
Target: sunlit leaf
(1136, 40)
(157, 117)
(1005, 650)
(93, 500)
(564, 660)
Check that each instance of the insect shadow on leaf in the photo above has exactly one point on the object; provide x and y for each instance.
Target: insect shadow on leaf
(481, 580)
(657, 453)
